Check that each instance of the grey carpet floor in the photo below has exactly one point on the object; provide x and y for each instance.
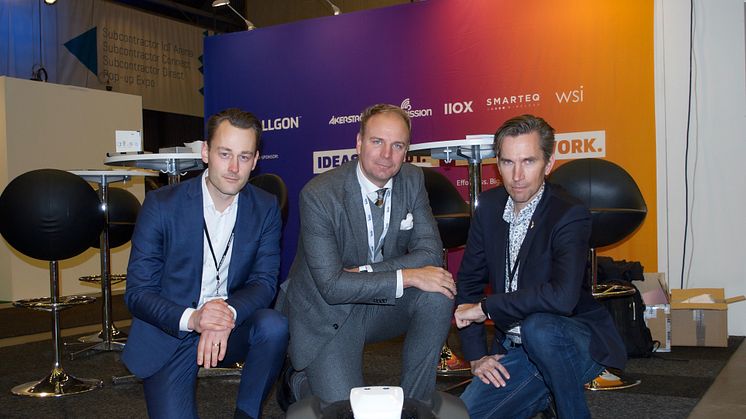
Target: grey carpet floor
(671, 384)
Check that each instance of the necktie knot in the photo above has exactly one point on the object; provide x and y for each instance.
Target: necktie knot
(380, 195)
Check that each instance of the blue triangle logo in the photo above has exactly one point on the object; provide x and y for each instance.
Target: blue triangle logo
(84, 48)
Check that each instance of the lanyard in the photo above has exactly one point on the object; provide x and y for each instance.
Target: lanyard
(222, 258)
(369, 222)
(511, 282)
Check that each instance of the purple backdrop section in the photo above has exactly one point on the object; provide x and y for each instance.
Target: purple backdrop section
(309, 80)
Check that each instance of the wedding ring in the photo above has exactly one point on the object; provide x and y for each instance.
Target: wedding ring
(216, 344)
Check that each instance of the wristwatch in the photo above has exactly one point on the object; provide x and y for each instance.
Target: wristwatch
(483, 304)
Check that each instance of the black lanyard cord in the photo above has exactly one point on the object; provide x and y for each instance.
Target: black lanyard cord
(225, 252)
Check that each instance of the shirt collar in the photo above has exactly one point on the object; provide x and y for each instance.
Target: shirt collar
(369, 188)
(207, 198)
(527, 211)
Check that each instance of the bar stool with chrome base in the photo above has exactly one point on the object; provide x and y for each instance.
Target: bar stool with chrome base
(473, 149)
(617, 210)
(119, 209)
(51, 215)
(453, 216)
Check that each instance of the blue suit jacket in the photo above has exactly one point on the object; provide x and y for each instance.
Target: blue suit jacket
(165, 268)
(551, 277)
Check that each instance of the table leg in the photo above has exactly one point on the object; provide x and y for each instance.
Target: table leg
(475, 177)
(107, 342)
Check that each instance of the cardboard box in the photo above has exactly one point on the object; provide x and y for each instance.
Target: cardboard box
(699, 317)
(658, 320)
(654, 290)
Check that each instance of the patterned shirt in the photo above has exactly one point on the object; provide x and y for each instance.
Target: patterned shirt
(519, 225)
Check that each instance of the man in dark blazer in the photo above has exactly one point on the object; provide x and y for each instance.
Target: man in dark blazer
(529, 241)
(368, 266)
(202, 273)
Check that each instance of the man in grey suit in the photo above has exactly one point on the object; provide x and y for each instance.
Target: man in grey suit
(368, 266)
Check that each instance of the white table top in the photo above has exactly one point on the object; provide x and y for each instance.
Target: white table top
(110, 175)
(171, 163)
(462, 149)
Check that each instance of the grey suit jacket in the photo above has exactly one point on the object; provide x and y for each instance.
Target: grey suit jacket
(333, 236)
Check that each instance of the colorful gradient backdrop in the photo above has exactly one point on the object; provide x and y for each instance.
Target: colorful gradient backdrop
(448, 51)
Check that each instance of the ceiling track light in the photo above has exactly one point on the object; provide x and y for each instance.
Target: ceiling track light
(220, 3)
(334, 7)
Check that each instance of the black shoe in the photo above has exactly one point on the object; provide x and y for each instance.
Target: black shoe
(285, 396)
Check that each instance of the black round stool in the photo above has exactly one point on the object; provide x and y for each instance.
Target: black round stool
(273, 184)
(122, 209)
(453, 216)
(616, 204)
(51, 215)
(617, 210)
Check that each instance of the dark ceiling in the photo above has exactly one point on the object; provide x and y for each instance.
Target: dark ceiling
(195, 12)
(263, 13)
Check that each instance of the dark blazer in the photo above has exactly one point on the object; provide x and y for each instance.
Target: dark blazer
(333, 236)
(551, 278)
(164, 275)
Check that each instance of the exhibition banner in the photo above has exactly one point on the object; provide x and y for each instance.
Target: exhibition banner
(135, 52)
(102, 45)
(458, 67)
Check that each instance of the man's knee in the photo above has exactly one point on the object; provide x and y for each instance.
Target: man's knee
(270, 324)
(540, 330)
(435, 304)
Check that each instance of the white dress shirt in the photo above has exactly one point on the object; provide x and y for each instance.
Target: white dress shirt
(369, 189)
(220, 226)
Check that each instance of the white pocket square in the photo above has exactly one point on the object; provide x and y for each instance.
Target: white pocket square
(407, 223)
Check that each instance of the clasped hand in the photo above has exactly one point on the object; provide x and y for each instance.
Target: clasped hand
(467, 314)
(214, 322)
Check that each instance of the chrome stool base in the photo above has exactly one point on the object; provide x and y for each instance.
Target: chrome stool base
(50, 305)
(116, 334)
(57, 384)
(96, 279)
(609, 381)
(601, 291)
(450, 365)
(99, 347)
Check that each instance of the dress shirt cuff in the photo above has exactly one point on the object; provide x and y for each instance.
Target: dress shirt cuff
(483, 305)
(399, 283)
(365, 268)
(184, 321)
(233, 310)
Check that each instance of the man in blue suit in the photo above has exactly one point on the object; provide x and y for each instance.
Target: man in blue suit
(202, 273)
(529, 241)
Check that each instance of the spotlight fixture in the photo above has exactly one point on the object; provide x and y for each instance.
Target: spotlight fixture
(219, 3)
(334, 7)
(50, 2)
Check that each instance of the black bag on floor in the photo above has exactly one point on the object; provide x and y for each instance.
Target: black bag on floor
(628, 313)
